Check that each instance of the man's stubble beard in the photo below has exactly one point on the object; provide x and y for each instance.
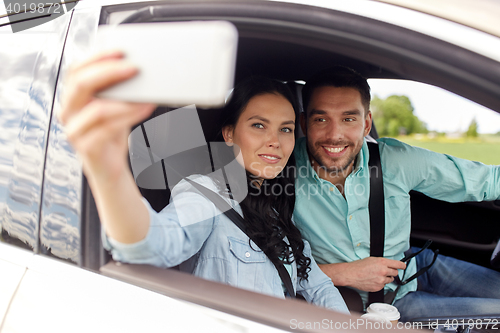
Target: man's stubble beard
(318, 161)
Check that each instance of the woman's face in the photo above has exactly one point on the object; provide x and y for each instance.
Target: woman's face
(265, 134)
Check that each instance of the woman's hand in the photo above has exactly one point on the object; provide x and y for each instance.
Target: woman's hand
(98, 128)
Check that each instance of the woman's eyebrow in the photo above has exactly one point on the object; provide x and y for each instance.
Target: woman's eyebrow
(260, 118)
(267, 121)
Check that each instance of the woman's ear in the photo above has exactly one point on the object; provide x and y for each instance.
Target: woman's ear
(227, 134)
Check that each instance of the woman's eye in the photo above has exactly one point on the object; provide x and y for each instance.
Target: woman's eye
(258, 125)
(287, 130)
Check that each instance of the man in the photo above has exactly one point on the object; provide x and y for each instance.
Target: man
(333, 188)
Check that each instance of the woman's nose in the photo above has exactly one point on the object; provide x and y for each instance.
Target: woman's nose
(273, 140)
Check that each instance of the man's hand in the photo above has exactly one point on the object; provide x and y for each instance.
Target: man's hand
(369, 274)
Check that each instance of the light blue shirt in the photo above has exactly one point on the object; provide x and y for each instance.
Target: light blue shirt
(338, 228)
(191, 227)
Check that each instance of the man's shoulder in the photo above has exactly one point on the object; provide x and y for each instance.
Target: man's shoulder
(391, 142)
(399, 158)
(393, 148)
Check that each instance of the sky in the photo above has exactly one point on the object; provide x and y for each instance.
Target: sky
(442, 110)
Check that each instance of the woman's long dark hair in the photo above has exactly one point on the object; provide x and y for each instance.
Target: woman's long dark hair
(268, 209)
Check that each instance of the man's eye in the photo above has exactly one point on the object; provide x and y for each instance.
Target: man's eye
(320, 120)
(258, 125)
(287, 130)
(349, 119)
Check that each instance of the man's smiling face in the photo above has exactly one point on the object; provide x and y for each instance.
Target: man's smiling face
(335, 126)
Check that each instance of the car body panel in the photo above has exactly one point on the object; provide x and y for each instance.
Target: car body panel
(478, 14)
(62, 199)
(26, 143)
(13, 265)
(458, 34)
(61, 297)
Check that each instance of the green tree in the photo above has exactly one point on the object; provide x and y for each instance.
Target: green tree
(472, 131)
(394, 116)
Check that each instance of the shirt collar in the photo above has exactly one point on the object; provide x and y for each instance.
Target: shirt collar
(362, 159)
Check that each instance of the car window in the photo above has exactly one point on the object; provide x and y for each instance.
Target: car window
(430, 117)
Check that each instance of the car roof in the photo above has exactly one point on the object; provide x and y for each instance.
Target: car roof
(478, 14)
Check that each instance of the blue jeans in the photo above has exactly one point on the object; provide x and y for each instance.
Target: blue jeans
(451, 287)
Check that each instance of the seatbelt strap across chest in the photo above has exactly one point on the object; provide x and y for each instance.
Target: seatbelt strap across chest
(377, 212)
(238, 220)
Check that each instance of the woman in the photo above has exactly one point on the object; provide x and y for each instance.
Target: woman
(259, 123)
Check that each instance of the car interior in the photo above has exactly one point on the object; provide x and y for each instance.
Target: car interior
(293, 49)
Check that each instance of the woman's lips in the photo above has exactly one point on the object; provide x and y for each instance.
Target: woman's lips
(268, 158)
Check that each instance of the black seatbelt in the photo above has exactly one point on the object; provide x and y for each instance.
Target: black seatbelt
(238, 220)
(377, 213)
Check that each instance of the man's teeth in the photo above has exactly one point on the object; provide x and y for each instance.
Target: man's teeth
(269, 157)
(334, 150)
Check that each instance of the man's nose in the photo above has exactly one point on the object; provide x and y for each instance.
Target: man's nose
(334, 131)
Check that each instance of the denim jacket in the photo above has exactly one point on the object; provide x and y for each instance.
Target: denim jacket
(191, 230)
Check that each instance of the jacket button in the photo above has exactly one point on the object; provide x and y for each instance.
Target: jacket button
(247, 254)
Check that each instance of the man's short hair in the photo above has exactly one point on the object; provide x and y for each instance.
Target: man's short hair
(338, 77)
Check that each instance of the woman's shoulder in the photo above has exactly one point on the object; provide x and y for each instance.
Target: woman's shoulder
(186, 188)
(185, 184)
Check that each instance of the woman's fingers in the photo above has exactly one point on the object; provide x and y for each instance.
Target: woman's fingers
(99, 112)
(96, 140)
(83, 84)
(103, 146)
(106, 55)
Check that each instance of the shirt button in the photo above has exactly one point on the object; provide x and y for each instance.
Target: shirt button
(331, 189)
(358, 244)
(350, 217)
(247, 254)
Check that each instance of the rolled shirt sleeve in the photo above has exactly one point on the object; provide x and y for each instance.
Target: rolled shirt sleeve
(440, 176)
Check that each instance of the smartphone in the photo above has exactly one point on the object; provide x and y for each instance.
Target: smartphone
(180, 63)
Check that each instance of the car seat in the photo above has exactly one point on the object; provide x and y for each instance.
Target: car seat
(159, 195)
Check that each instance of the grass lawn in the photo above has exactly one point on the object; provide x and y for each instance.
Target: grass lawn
(485, 149)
